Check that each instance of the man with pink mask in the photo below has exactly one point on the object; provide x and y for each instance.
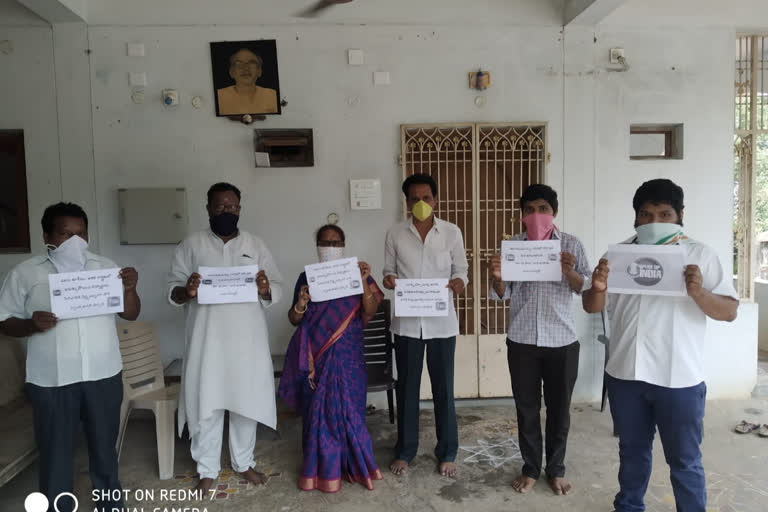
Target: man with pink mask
(541, 343)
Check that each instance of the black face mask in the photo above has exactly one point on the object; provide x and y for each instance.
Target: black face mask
(224, 224)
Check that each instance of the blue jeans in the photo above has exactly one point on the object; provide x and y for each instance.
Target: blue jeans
(638, 408)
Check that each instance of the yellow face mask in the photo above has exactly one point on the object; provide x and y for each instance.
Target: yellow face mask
(421, 211)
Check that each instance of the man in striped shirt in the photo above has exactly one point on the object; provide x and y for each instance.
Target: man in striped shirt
(541, 343)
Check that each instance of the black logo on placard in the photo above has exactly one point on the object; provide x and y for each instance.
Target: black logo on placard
(57, 293)
(249, 279)
(441, 306)
(646, 271)
(354, 284)
(399, 294)
(510, 257)
(113, 302)
(207, 281)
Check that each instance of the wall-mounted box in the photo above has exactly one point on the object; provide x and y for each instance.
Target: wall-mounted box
(152, 215)
(286, 148)
(656, 142)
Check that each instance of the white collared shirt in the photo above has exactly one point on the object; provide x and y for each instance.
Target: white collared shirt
(76, 350)
(660, 340)
(440, 255)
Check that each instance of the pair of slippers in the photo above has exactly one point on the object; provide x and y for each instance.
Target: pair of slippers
(745, 427)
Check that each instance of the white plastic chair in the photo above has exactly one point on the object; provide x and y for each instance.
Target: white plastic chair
(144, 388)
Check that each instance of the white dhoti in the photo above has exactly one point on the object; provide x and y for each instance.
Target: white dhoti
(206, 445)
(227, 362)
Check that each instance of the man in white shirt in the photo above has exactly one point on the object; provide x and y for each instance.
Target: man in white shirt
(73, 366)
(227, 364)
(655, 373)
(419, 248)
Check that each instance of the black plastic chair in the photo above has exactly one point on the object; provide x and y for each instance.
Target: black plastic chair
(378, 355)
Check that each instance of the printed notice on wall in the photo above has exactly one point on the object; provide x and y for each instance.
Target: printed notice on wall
(88, 293)
(531, 260)
(647, 269)
(228, 285)
(421, 297)
(334, 279)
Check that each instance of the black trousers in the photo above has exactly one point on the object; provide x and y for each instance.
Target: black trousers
(409, 357)
(557, 369)
(58, 412)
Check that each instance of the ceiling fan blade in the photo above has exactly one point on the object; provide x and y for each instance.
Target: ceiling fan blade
(314, 9)
(318, 7)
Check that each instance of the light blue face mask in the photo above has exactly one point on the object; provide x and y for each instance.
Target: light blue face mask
(658, 233)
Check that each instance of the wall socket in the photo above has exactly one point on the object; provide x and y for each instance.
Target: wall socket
(616, 53)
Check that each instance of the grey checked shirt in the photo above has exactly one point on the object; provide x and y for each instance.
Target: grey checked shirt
(540, 312)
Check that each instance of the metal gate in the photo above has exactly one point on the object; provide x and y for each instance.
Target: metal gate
(481, 171)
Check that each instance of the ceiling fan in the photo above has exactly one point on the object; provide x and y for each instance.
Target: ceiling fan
(318, 7)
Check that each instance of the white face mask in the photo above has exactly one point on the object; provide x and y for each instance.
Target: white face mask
(329, 253)
(657, 232)
(69, 256)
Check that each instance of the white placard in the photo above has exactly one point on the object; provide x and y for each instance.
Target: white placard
(88, 293)
(228, 285)
(647, 269)
(334, 279)
(421, 297)
(262, 159)
(365, 194)
(531, 260)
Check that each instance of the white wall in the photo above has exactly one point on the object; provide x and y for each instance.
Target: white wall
(744, 15)
(356, 128)
(537, 77)
(273, 12)
(28, 101)
(12, 13)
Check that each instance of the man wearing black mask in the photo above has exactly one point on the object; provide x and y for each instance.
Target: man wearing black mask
(227, 364)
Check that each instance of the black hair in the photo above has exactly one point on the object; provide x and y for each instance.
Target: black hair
(540, 191)
(58, 210)
(222, 187)
(258, 57)
(419, 179)
(659, 191)
(329, 227)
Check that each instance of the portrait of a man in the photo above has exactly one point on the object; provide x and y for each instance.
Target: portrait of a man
(245, 77)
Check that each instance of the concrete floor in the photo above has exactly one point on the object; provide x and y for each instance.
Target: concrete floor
(736, 465)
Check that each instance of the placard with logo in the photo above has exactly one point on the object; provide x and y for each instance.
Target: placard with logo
(421, 297)
(228, 285)
(334, 279)
(647, 269)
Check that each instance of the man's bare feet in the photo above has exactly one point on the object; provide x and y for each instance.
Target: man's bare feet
(447, 469)
(523, 484)
(398, 466)
(560, 486)
(204, 486)
(255, 477)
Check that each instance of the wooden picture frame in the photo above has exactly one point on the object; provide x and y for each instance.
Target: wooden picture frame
(14, 206)
(245, 78)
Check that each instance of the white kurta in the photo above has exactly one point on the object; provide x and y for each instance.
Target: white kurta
(227, 361)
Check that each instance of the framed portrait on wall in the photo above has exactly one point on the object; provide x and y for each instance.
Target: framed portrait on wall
(245, 77)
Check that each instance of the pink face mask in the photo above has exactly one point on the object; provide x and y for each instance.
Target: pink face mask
(539, 226)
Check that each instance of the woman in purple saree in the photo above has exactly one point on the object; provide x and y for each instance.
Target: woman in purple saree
(324, 378)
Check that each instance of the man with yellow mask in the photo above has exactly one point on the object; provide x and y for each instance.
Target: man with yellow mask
(425, 247)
